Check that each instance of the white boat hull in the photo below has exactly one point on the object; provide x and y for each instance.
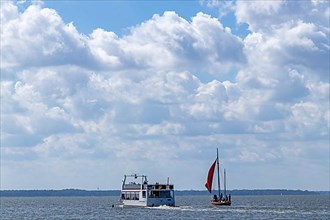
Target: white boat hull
(151, 202)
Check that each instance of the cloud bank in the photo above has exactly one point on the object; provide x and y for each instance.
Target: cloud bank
(82, 110)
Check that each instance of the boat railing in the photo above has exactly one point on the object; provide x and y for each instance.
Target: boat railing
(161, 186)
(132, 186)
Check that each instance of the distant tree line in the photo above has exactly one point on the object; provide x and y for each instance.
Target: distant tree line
(273, 192)
(79, 192)
(63, 192)
(253, 192)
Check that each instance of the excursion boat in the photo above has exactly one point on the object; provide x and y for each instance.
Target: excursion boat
(134, 193)
(220, 199)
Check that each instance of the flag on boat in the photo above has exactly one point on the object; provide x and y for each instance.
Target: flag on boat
(209, 180)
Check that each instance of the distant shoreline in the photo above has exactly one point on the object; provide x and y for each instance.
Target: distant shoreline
(79, 192)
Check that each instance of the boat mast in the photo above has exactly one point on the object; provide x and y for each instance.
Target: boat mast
(218, 172)
(224, 179)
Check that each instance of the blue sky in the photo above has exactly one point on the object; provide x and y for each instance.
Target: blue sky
(117, 16)
(108, 15)
(93, 90)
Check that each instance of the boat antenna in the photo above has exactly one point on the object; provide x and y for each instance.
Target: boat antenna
(218, 173)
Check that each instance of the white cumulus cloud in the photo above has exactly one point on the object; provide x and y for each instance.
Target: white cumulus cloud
(154, 96)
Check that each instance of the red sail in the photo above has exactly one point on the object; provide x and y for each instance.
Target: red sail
(209, 180)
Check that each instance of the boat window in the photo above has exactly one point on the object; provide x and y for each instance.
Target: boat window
(143, 194)
(125, 195)
(161, 194)
(165, 194)
(131, 195)
(136, 196)
(154, 194)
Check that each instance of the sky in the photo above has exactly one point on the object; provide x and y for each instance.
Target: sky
(93, 90)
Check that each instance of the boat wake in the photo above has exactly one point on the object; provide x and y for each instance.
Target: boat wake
(183, 208)
(165, 207)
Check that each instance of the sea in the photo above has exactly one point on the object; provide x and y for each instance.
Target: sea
(187, 207)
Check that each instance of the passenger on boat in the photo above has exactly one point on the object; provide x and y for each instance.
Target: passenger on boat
(215, 198)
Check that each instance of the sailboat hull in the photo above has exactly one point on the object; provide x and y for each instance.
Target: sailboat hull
(222, 203)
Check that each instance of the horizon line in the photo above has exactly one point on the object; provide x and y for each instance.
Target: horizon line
(200, 190)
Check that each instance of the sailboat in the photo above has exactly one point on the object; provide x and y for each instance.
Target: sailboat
(219, 199)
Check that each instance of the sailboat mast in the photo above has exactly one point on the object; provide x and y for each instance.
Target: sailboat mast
(225, 187)
(218, 168)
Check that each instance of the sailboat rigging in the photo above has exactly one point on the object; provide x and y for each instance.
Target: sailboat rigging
(219, 199)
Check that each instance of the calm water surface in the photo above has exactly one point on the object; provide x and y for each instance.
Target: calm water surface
(189, 207)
